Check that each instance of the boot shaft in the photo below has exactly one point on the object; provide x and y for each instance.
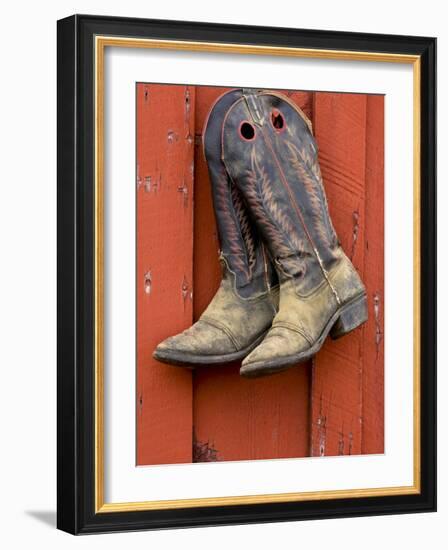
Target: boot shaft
(242, 251)
(270, 153)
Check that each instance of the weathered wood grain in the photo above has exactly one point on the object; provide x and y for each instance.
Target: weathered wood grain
(337, 379)
(373, 353)
(164, 270)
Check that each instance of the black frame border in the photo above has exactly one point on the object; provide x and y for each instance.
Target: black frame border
(75, 272)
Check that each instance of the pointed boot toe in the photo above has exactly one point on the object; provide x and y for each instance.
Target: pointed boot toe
(202, 343)
(278, 351)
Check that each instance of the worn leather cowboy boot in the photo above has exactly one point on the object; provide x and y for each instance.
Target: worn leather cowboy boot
(241, 312)
(270, 153)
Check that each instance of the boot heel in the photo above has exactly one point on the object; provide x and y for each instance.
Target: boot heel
(351, 317)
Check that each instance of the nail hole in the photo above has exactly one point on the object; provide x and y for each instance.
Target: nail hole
(247, 131)
(148, 282)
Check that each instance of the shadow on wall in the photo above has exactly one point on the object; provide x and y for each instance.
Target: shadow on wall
(48, 517)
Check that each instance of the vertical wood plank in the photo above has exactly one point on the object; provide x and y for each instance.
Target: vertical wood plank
(242, 419)
(164, 277)
(373, 368)
(337, 379)
(236, 418)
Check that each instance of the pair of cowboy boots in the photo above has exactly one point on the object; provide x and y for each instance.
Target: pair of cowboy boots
(286, 281)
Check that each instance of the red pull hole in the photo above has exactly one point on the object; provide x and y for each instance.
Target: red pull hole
(278, 122)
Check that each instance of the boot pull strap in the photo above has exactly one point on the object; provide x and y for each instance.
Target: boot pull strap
(251, 99)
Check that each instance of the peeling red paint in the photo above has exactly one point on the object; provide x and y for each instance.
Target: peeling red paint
(321, 429)
(355, 233)
(350, 443)
(376, 312)
(341, 443)
(184, 190)
(148, 282)
(204, 452)
(185, 290)
(172, 137)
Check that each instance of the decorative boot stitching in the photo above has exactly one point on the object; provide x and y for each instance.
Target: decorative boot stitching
(227, 215)
(300, 215)
(277, 227)
(245, 226)
(308, 172)
(268, 269)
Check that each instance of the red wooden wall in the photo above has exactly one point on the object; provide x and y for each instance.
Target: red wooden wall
(332, 405)
(164, 270)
